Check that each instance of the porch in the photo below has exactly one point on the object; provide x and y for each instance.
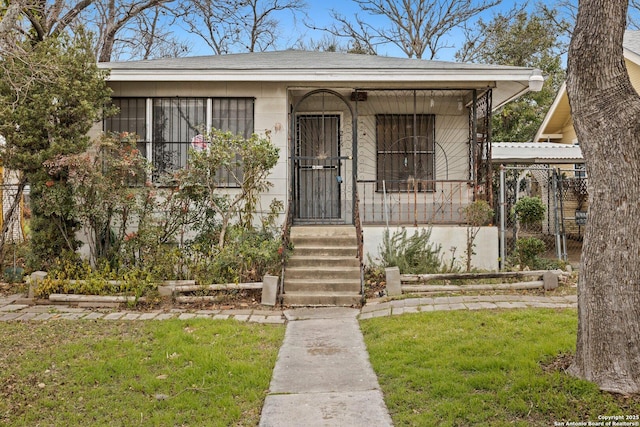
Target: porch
(388, 156)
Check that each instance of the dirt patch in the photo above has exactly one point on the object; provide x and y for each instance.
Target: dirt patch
(560, 363)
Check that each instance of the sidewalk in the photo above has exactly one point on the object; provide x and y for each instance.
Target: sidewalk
(323, 376)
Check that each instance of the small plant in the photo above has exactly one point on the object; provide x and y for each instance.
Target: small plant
(529, 210)
(71, 276)
(528, 251)
(412, 255)
(478, 213)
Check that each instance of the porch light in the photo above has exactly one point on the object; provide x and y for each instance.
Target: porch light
(536, 81)
(460, 105)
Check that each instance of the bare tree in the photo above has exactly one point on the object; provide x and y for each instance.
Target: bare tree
(113, 16)
(127, 28)
(417, 27)
(149, 35)
(231, 26)
(52, 18)
(606, 112)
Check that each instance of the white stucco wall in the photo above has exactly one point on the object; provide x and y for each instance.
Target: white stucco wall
(486, 244)
(270, 115)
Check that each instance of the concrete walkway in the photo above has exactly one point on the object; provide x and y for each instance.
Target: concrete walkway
(323, 376)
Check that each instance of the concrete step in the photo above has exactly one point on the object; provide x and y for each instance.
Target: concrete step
(324, 269)
(312, 273)
(323, 261)
(323, 230)
(317, 299)
(325, 251)
(330, 241)
(322, 285)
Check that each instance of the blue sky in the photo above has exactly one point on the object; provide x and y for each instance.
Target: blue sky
(319, 13)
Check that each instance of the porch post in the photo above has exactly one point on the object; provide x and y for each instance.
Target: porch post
(474, 143)
(292, 208)
(354, 160)
(503, 213)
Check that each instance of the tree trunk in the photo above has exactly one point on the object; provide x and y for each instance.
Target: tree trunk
(606, 114)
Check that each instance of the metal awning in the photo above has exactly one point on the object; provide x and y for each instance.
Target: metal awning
(535, 153)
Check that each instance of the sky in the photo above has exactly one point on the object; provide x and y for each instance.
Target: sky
(319, 14)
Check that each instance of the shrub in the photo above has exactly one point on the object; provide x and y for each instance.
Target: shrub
(72, 276)
(528, 250)
(477, 214)
(247, 256)
(529, 210)
(412, 255)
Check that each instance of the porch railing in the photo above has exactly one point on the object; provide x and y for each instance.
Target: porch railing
(416, 202)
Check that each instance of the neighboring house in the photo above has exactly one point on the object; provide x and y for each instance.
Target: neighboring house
(386, 141)
(557, 127)
(12, 202)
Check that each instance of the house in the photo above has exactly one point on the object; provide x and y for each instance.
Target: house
(557, 125)
(557, 128)
(370, 140)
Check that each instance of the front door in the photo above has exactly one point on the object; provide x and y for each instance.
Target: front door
(318, 168)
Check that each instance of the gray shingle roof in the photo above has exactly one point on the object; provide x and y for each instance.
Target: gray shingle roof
(296, 60)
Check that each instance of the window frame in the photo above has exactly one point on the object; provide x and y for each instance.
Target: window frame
(222, 118)
(394, 138)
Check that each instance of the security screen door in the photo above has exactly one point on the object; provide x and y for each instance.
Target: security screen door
(318, 168)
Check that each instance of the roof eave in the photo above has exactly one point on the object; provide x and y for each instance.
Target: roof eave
(550, 113)
(319, 75)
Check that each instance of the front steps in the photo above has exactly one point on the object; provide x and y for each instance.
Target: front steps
(324, 269)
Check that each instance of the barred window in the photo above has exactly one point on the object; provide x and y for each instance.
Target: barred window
(405, 152)
(234, 115)
(132, 118)
(178, 123)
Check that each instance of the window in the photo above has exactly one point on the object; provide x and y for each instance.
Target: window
(405, 152)
(131, 118)
(580, 170)
(234, 115)
(175, 123)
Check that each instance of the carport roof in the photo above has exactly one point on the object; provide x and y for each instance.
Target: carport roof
(535, 153)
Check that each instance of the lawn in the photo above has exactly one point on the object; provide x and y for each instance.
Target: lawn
(79, 373)
(484, 368)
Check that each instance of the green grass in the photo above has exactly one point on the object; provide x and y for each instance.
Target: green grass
(158, 373)
(483, 368)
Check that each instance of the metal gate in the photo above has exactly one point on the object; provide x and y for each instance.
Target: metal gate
(565, 216)
(318, 168)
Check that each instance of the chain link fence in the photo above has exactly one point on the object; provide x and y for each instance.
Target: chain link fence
(562, 192)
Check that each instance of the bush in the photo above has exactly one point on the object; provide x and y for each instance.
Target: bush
(72, 276)
(247, 256)
(478, 213)
(412, 255)
(529, 210)
(528, 250)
